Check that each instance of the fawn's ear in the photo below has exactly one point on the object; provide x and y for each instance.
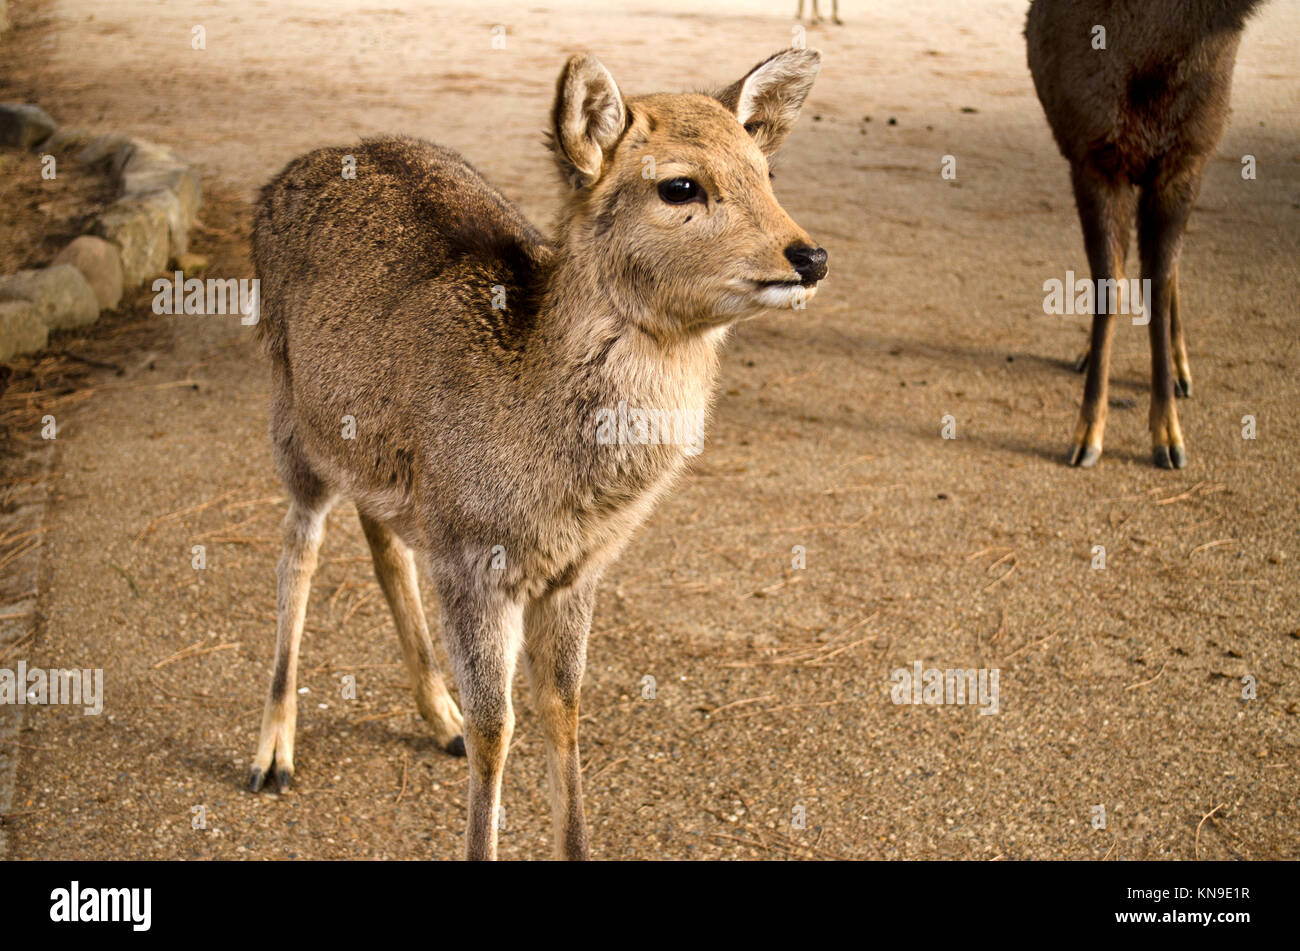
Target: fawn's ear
(588, 118)
(767, 101)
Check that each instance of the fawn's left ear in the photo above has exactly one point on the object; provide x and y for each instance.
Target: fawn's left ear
(767, 101)
(587, 120)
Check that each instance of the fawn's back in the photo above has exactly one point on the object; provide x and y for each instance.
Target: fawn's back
(379, 310)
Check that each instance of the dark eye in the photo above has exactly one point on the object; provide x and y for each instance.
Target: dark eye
(679, 191)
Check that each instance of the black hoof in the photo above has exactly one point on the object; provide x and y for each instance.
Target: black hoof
(1084, 457)
(1081, 364)
(1171, 457)
(255, 780)
(1183, 388)
(284, 779)
(456, 747)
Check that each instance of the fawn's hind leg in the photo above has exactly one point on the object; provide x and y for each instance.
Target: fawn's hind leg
(395, 568)
(304, 527)
(1105, 210)
(555, 647)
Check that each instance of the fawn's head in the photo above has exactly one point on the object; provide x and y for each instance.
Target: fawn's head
(672, 202)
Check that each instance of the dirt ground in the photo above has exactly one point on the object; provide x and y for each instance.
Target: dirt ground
(43, 215)
(1119, 688)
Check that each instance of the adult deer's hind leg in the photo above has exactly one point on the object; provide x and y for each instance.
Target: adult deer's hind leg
(1105, 213)
(399, 579)
(1182, 369)
(1123, 210)
(1166, 204)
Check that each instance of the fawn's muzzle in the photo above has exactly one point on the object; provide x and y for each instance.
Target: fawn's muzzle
(808, 262)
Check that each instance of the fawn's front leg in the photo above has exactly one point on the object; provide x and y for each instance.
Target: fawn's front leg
(483, 630)
(555, 646)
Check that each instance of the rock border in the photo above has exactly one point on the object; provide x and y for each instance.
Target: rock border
(131, 241)
(147, 226)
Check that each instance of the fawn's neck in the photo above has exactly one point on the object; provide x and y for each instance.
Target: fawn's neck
(599, 349)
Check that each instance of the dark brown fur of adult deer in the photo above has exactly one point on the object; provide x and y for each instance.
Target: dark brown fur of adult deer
(1137, 120)
(473, 356)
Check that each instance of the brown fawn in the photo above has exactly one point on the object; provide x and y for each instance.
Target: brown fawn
(1136, 93)
(443, 365)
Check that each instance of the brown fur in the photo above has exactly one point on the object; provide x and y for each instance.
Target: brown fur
(475, 425)
(1137, 122)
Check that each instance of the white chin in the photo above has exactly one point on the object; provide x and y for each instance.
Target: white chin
(784, 296)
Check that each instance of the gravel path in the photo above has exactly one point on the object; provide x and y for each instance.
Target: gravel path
(1119, 688)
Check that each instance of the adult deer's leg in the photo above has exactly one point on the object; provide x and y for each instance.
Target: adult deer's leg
(1105, 212)
(483, 631)
(399, 579)
(304, 527)
(555, 645)
(1123, 209)
(1166, 204)
(1182, 369)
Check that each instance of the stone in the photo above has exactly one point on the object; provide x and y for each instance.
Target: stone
(147, 167)
(62, 296)
(21, 328)
(104, 147)
(173, 213)
(142, 152)
(100, 263)
(24, 126)
(143, 178)
(65, 140)
(140, 230)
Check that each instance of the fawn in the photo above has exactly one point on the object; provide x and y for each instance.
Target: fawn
(473, 357)
(1138, 106)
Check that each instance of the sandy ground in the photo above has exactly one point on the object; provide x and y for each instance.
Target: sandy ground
(1118, 688)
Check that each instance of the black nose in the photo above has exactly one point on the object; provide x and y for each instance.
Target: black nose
(808, 261)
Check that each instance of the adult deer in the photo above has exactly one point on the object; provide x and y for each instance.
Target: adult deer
(1136, 93)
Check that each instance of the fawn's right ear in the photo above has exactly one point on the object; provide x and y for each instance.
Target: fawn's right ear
(588, 118)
